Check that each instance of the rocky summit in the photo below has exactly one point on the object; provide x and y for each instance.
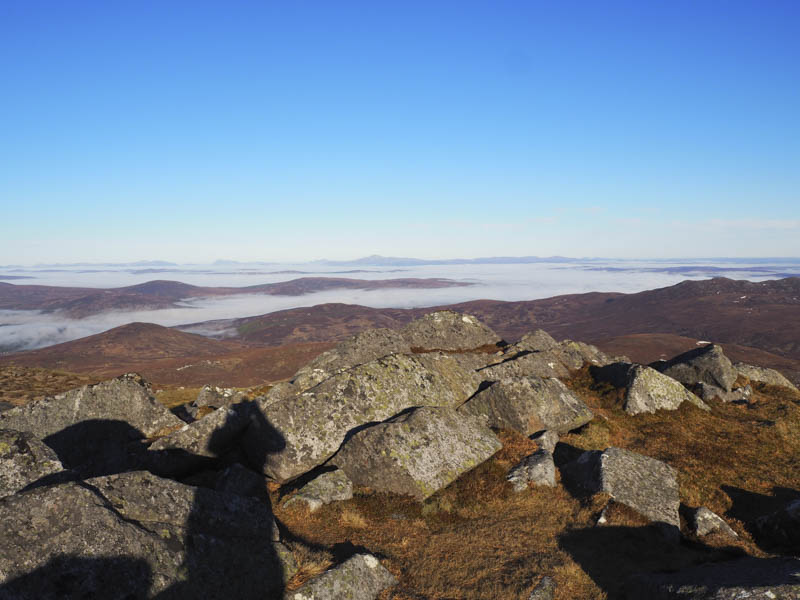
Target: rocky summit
(433, 461)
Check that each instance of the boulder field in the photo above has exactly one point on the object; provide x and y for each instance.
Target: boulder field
(106, 493)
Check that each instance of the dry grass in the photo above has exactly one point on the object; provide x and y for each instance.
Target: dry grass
(479, 539)
(20, 385)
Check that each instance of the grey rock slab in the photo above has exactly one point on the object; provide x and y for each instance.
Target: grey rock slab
(448, 330)
(547, 440)
(707, 364)
(127, 399)
(645, 484)
(361, 577)
(528, 405)
(704, 521)
(764, 375)
(548, 363)
(363, 347)
(300, 433)
(647, 391)
(536, 341)
(135, 535)
(324, 489)
(780, 528)
(24, 460)
(537, 468)
(746, 578)
(209, 436)
(740, 395)
(576, 354)
(416, 453)
(238, 479)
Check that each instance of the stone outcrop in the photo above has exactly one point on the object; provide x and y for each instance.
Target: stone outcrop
(780, 529)
(323, 489)
(135, 535)
(361, 577)
(416, 453)
(547, 440)
(540, 364)
(238, 479)
(302, 432)
(448, 330)
(707, 364)
(24, 460)
(210, 436)
(528, 405)
(646, 390)
(536, 341)
(126, 399)
(764, 375)
(217, 397)
(704, 522)
(537, 468)
(645, 484)
(363, 347)
(739, 395)
(752, 578)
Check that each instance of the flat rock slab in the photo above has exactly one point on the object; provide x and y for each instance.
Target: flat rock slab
(528, 405)
(750, 578)
(135, 535)
(764, 375)
(707, 364)
(299, 433)
(417, 453)
(645, 484)
(448, 330)
(24, 460)
(363, 347)
(361, 577)
(324, 489)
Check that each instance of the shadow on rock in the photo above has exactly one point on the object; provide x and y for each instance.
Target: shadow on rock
(773, 521)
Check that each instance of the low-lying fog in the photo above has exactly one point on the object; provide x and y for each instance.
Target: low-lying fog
(23, 330)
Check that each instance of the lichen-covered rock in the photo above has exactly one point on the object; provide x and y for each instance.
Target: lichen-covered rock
(448, 330)
(528, 405)
(361, 577)
(537, 468)
(647, 391)
(134, 535)
(23, 460)
(548, 363)
(217, 397)
(576, 354)
(361, 348)
(645, 484)
(416, 453)
(703, 522)
(751, 578)
(210, 436)
(125, 399)
(739, 395)
(324, 489)
(707, 364)
(302, 432)
(547, 440)
(536, 341)
(544, 590)
(764, 375)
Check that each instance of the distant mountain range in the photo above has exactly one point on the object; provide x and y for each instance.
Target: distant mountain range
(755, 322)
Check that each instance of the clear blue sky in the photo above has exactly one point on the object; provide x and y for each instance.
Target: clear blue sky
(191, 131)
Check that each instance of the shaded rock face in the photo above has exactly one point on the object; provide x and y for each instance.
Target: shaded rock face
(702, 365)
(704, 522)
(361, 577)
(528, 405)
(781, 529)
(645, 484)
(646, 390)
(416, 453)
(126, 399)
(210, 436)
(547, 440)
(135, 535)
(448, 330)
(302, 432)
(537, 468)
(23, 460)
(751, 578)
(764, 375)
(237, 479)
(324, 489)
(364, 347)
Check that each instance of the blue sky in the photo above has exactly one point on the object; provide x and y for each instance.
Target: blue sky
(192, 131)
